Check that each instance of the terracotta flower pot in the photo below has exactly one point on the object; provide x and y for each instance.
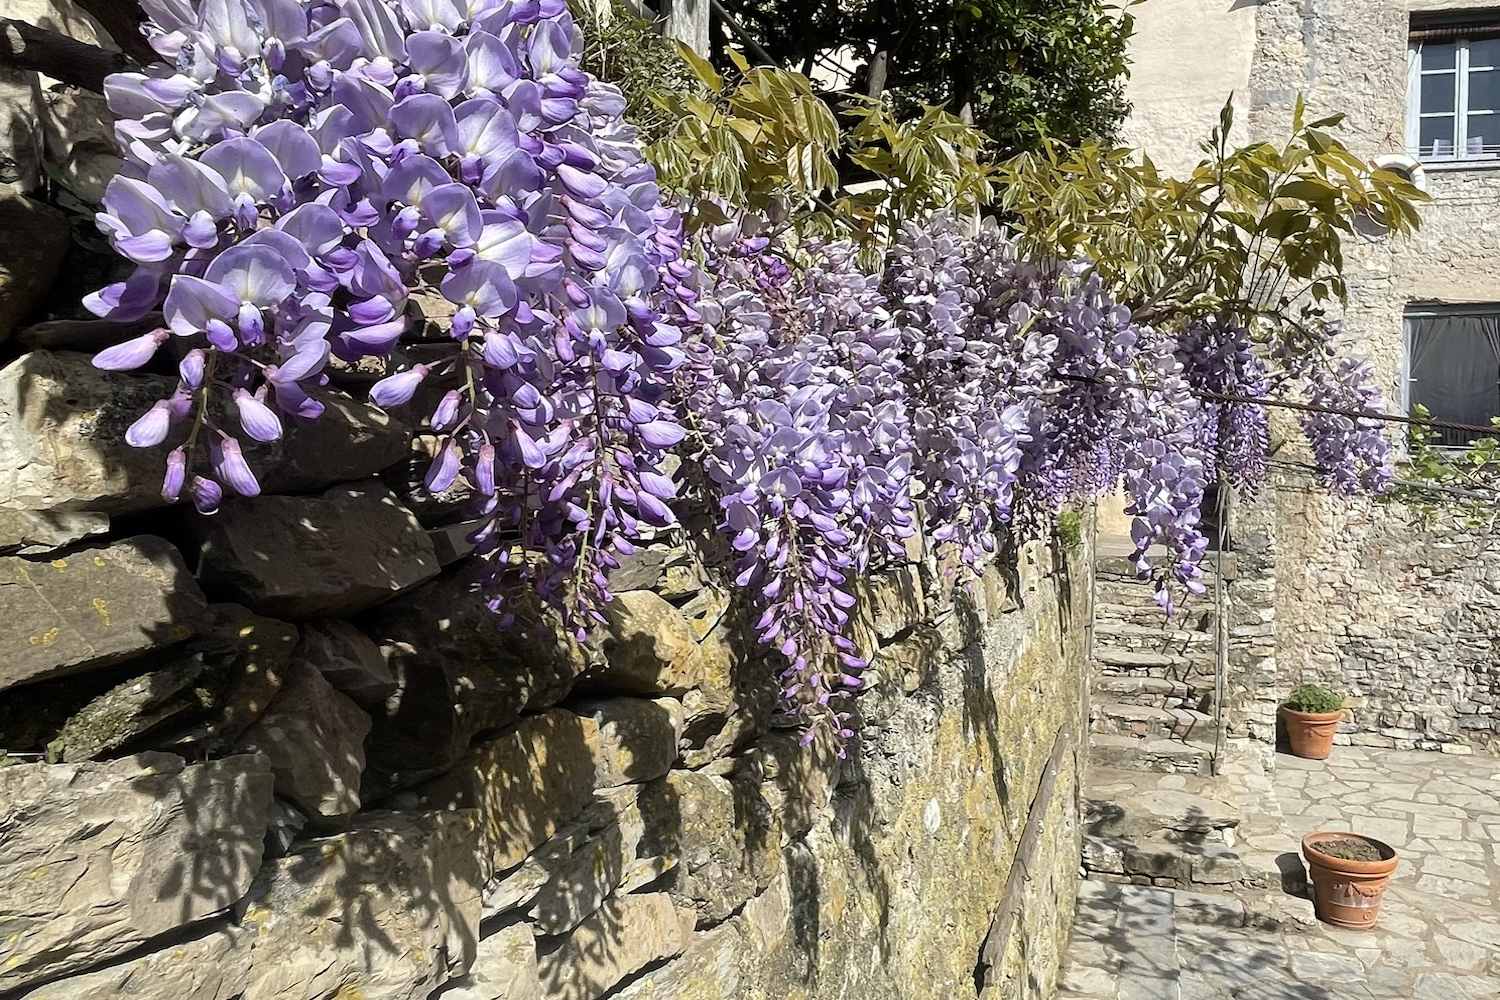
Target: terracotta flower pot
(1311, 733)
(1347, 893)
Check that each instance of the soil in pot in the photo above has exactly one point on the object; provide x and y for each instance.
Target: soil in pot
(1349, 874)
(1310, 734)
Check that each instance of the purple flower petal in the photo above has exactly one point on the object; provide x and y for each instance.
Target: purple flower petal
(151, 429)
(395, 390)
(258, 420)
(132, 354)
(229, 465)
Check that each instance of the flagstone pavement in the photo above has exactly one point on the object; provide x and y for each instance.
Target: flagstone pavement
(1438, 937)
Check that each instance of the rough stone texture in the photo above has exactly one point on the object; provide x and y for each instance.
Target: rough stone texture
(504, 968)
(79, 140)
(35, 533)
(33, 238)
(65, 447)
(98, 858)
(631, 739)
(93, 608)
(459, 675)
(247, 657)
(1402, 622)
(21, 141)
(211, 967)
(337, 553)
(649, 650)
(626, 934)
(386, 911)
(348, 658)
(723, 833)
(314, 739)
(929, 808)
(524, 784)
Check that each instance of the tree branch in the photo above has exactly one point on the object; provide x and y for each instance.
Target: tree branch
(58, 56)
(122, 19)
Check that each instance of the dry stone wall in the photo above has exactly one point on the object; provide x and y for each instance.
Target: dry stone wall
(283, 753)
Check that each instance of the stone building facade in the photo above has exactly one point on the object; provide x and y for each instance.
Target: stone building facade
(1404, 622)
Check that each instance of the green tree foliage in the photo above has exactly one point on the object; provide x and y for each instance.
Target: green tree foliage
(762, 141)
(627, 50)
(1256, 233)
(1450, 487)
(1021, 68)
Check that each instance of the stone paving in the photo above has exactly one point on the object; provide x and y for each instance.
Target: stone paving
(1438, 937)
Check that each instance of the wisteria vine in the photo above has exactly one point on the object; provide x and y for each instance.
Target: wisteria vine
(305, 179)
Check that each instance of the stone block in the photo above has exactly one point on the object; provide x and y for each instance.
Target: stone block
(348, 658)
(337, 553)
(34, 533)
(724, 834)
(525, 784)
(890, 602)
(93, 608)
(314, 739)
(247, 658)
(33, 239)
(736, 696)
(625, 935)
(649, 649)
(65, 447)
(505, 968)
(799, 780)
(78, 137)
(211, 967)
(99, 858)
(21, 141)
(631, 739)
(388, 910)
(459, 675)
(87, 335)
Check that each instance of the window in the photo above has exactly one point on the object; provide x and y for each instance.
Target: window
(1453, 88)
(1453, 366)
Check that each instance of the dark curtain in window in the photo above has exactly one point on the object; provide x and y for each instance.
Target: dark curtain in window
(1455, 368)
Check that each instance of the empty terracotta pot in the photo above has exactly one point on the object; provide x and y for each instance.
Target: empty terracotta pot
(1346, 893)
(1310, 734)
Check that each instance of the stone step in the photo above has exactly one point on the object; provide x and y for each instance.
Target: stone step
(1116, 632)
(1126, 688)
(1145, 721)
(1139, 810)
(1146, 614)
(1163, 862)
(1136, 658)
(1123, 567)
(1156, 755)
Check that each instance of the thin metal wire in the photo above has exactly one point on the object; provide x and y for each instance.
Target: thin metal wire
(1224, 397)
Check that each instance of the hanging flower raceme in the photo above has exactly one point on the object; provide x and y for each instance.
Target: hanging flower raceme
(298, 170)
(802, 405)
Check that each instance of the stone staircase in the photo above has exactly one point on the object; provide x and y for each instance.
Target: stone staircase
(1153, 677)
(1155, 815)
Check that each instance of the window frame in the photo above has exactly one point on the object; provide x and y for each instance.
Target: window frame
(1461, 158)
(1431, 310)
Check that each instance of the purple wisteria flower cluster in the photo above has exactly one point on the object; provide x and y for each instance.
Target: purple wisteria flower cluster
(308, 183)
(801, 400)
(298, 171)
(1351, 453)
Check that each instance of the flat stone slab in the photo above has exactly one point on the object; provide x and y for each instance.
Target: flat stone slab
(1438, 935)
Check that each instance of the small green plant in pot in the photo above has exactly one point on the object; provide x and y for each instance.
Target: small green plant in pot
(1311, 715)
